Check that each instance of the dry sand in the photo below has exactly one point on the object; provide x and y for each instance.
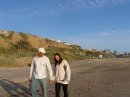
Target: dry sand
(90, 78)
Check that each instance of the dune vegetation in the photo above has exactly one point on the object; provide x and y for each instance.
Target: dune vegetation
(18, 48)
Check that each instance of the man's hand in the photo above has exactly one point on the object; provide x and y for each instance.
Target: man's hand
(65, 80)
(30, 80)
(51, 81)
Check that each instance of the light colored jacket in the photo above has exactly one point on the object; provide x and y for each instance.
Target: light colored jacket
(39, 68)
(62, 75)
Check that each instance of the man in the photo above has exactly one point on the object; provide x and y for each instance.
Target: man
(38, 73)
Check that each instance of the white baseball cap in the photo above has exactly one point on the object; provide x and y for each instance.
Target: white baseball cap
(42, 50)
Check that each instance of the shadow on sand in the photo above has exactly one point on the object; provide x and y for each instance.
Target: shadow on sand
(14, 89)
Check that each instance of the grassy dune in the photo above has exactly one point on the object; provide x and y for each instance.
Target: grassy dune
(17, 49)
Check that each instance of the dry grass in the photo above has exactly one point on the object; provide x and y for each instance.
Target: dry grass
(24, 61)
(3, 43)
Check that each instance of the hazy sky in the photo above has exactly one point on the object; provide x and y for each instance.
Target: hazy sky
(93, 24)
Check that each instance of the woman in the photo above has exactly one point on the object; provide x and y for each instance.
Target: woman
(62, 75)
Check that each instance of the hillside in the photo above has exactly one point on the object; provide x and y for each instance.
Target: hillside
(17, 49)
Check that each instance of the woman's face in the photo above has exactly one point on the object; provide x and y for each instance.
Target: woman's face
(57, 57)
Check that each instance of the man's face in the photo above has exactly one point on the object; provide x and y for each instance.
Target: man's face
(40, 54)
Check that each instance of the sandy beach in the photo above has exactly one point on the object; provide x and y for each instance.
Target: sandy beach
(90, 78)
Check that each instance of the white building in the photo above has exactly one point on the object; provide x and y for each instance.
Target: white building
(5, 32)
(59, 41)
(100, 56)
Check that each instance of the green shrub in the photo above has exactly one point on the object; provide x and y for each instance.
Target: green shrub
(23, 45)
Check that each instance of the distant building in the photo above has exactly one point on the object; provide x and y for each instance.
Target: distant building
(59, 41)
(66, 43)
(90, 49)
(100, 56)
(5, 32)
(94, 50)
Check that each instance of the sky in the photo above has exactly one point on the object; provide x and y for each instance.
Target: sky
(92, 24)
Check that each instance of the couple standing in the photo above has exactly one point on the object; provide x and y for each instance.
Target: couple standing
(41, 67)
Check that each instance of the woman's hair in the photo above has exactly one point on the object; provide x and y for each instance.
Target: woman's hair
(60, 59)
